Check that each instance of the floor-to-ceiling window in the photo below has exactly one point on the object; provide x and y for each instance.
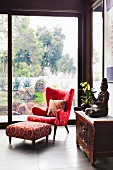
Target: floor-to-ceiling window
(108, 49)
(97, 47)
(44, 53)
(3, 67)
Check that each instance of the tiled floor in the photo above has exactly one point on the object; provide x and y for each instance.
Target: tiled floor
(61, 155)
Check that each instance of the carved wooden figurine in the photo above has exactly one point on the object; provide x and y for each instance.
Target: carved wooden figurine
(101, 102)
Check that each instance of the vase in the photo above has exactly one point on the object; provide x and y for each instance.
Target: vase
(84, 106)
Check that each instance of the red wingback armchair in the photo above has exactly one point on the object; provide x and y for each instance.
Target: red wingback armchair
(61, 116)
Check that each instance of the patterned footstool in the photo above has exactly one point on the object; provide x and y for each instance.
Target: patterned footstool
(28, 130)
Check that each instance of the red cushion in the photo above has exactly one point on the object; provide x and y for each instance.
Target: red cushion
(54, 106)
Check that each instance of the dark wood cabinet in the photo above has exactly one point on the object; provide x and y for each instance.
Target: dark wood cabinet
(95, 135)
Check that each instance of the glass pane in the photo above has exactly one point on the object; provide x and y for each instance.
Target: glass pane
(97, 49)
(44, 54)
(3, 67)
(108, 59)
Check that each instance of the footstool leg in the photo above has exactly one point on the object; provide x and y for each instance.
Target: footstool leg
(47, 138)
(9, 140)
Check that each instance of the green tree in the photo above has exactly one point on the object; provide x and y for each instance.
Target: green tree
(52, 41)
(26, 47)
(66, 65)
(23, 56)
(4, 61)
(3, 31)
(3, 50)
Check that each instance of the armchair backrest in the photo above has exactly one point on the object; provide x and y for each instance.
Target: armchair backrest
(59, 94)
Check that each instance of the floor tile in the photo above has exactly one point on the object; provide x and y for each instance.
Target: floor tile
(59, 155)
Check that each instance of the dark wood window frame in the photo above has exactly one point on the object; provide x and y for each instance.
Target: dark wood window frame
(81, 50)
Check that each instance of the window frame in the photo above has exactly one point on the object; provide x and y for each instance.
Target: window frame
(81, 49)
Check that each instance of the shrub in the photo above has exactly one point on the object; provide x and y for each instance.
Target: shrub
(16, 84)
(27, 83)
(39, 97)
(2, 84)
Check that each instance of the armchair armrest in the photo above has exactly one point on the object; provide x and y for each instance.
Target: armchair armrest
(62, 117)
(39, 112)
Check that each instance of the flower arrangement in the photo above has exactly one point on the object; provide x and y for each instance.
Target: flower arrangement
(88, 93)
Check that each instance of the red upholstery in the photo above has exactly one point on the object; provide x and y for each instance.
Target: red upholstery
(35, 118)
(62, 117)
(28, 130)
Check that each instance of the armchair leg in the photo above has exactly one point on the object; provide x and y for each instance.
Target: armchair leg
(67, 129)
(9, 140)
(47, 138)
(55, 128)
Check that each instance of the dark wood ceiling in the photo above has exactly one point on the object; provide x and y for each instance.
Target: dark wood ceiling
(75, 5)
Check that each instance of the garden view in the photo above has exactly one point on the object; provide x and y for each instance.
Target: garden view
(38, 61)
